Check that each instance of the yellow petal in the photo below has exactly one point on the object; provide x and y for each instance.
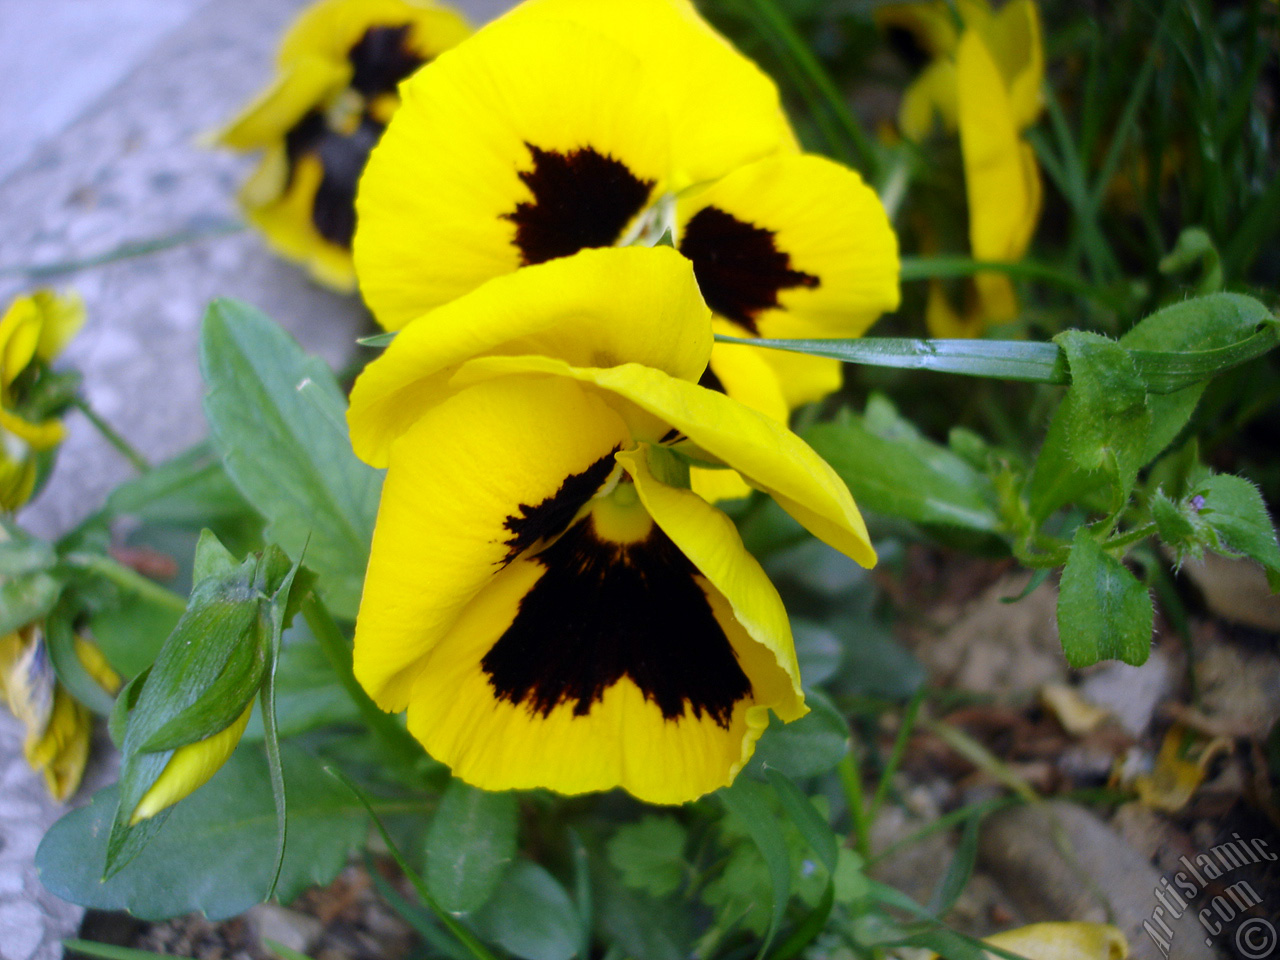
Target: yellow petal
(768, 455)
(792, 236)
(1013, 37)
(929, 102)
(1074, 940)
(44, 435)
(304, 84)
(711, 541)
(190, 768)
(61, 317)
(593, 309)
(328, 29)
(722, 109)
(471, 483)
(532, 140)
(60, 752)
(289, 228)
(944, 321)
(95, 664)
(1001, 178)
(605, 662)
(17, 478)
(19, 337)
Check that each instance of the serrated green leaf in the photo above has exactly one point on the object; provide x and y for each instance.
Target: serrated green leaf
(891, 469)
(1104, 613)
(277, 415)
(1234, 510)
(1108, 422)
(470, 845)
(226, 830)
(806, 747)
(649, 854)
(642, 926)
(530, 915)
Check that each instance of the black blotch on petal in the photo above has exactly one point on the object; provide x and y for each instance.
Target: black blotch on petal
(580, 199)
(739, 268)
(906, 44)
(710, 380)
(603, 611)
(549, 518)
(380, 59)
(342, 158)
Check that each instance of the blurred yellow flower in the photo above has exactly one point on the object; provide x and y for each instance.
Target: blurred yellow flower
(338, 68)
(1066, 940)
(984, 84)
(34, 330)
(57, 726)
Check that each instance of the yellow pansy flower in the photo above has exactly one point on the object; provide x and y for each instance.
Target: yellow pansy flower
(58, 727)
(338, 68)
(546, 598)
(33, 331)
(985, 84)
(575, 124)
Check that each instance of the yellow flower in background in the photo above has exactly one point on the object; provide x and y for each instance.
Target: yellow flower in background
(575, 124)
(545, 596)
(1063, 940)
(338, 68)
(985, 84)
(33, 331)
(58, 727)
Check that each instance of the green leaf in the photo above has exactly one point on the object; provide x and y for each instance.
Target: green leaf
(812, 825)
(953, 882)
(277, 416)
(1234, 510)
(1174, 523)
(212, 558)
(308, 692)
(1108, 422)
(470, 845)
(191, 490)
(806, 747)
(649, 854)
(891, 469)
(216, 851)
(1104, 613)
(642, 926)
(748, 801)
(21, 554)
(26, 598)
(818, 650)
(530, 915)
(60, 642)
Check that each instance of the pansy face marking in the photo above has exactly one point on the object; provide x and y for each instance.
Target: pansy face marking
(580, 199)
(604, 610)
(550, 517)
(381, 59)
(738, 265)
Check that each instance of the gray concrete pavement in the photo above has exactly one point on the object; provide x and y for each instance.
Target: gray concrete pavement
(100, 151)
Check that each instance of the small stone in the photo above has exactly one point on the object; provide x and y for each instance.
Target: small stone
(291, 929)
(1130, 693)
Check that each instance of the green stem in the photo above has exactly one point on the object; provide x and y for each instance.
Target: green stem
(338, 652)
(126, 251)
(1129, 539)
(851, 780)
(125, 448)
(127, 579)
(899, 749)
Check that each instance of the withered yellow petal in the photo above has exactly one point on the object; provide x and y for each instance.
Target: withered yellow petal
(1070, 940)
(471, 484)
(532, 140)
(596, 308)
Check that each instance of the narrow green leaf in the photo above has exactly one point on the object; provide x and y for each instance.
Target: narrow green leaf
(216, 851)
(649, 854)
(811, 824)
(109, 951)
(277, 416)
(531, 915)
(953, 882)
(748, 801)
(1104, 613)
(470, 844)
(1233, 508)
(807, 930)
